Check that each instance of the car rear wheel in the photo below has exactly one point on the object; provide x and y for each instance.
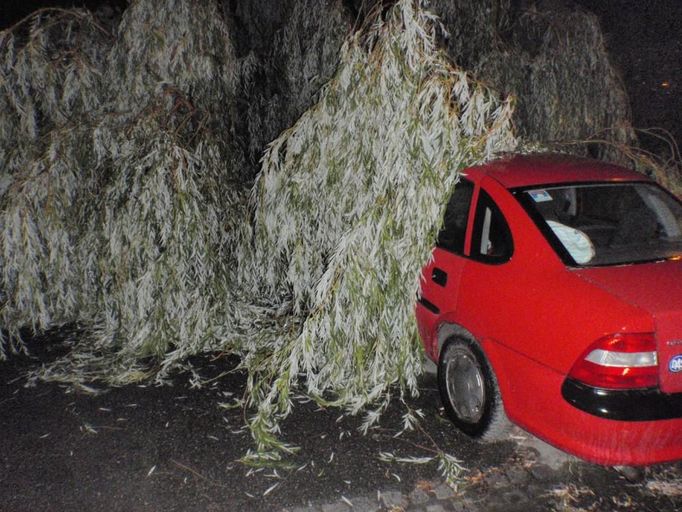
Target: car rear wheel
(469, 391)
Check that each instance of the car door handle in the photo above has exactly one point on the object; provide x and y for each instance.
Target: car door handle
(439, 277)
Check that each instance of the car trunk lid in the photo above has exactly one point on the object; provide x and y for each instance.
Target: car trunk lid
(656, 288)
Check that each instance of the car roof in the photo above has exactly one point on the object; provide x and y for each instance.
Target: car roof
(545, 169)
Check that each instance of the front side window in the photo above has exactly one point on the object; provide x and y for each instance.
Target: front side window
(607, 223)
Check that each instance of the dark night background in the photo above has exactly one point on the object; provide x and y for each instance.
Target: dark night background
(170, 448)
(644, 38)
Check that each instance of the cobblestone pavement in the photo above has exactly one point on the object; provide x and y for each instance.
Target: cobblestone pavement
(536, 489)
(525, 484)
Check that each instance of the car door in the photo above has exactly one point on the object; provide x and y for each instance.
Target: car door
(441, 276)
(515, 291)
(504, 281)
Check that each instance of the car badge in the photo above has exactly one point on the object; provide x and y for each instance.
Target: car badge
(675, 364)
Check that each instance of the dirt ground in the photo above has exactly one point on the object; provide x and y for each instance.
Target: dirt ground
(176, 448)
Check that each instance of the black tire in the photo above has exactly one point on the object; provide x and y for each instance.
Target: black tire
(469, 391)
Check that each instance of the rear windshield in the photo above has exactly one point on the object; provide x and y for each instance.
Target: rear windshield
(607, 223)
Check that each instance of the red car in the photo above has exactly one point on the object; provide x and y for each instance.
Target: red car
(554, 298)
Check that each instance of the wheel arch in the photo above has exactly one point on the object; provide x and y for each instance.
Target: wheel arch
(449, 329)
(494, 424)
(490, 349)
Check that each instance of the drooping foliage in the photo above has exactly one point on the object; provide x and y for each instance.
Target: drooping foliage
(127, 160)
(51, 79)
(551, 55)
(553, 58)
(50, 75)
(288, 50)
(385, 144)
(162, 257)
(164, 209)
(115, 217)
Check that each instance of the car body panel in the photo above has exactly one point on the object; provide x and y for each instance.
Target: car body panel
(555, 421)
(655, 287)
(534, 316)
(522, 171)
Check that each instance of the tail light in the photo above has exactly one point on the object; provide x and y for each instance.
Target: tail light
(619, 361)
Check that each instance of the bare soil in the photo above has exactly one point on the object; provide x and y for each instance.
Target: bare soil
(145, 447)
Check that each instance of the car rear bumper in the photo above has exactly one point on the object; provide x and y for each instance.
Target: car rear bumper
(623, 405)
(532, 396)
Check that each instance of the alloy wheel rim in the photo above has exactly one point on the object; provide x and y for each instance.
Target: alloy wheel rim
(466, 388)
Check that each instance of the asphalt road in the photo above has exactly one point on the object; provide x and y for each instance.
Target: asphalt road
(174, 448)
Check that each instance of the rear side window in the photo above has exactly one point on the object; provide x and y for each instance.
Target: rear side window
(452, 234)
(491, 240)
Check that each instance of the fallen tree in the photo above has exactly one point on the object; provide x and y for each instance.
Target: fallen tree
(385, 143)
(116, 202)
(126, 177)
